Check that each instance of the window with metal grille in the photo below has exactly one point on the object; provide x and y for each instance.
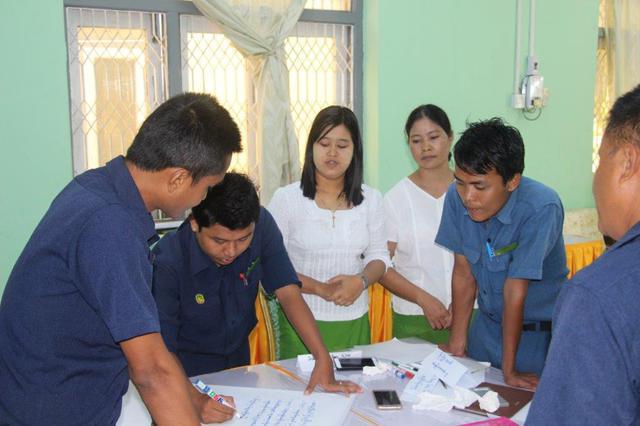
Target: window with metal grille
(117, 76)
(120, 69)
(328, 4)
(320, 66)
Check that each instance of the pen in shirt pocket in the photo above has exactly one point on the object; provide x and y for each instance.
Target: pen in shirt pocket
(489, 249)
(206, 389)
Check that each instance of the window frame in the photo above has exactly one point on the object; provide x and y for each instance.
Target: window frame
(174, 8)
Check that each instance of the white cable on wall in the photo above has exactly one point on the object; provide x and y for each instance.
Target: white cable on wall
(532, 27)
(516, 75)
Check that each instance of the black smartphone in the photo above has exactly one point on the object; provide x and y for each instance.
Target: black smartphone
(345, 364)
(387, 400)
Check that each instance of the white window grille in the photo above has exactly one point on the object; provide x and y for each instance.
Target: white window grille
(320, 62)
(117, 75)
(328, 4)
(120, 71)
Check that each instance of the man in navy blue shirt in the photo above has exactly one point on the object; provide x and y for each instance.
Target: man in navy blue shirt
(592, 375)
(506, 233)
(206, 278)
(77, 317)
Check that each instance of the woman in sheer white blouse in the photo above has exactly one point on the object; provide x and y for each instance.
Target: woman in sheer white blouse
(421, 276)
(333, 229)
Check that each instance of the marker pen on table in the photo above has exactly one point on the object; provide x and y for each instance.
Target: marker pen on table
(399, 373)
(407, 372)
(206, 389)
(405, 367)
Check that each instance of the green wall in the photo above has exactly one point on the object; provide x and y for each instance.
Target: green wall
(34, 118)
(459, 54)
(454, 53)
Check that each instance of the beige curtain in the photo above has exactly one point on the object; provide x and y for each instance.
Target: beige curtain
(618, 61)
(622, 37)
(258, 28)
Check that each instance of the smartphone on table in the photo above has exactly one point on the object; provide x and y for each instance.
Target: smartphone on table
(387, 400)
(347, 364)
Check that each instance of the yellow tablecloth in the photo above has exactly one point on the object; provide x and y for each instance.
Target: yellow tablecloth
(579, 255)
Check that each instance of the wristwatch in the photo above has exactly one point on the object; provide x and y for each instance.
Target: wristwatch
(365, 281)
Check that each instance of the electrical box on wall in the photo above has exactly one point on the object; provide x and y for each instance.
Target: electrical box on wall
(533, 86)
(533, 91)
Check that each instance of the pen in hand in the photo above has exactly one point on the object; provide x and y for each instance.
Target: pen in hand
(206, 389)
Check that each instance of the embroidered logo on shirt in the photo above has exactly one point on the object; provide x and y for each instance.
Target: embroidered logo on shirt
(199, 299)
(244, 275)
(252, 265)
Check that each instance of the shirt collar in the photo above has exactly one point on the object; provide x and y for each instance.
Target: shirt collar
(631, 234)
(505, 215)
(198, 259)
(128, 193)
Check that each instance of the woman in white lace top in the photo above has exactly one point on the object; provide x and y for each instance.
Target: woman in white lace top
(333, 229)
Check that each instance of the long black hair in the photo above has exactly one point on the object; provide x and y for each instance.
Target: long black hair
(324, 122)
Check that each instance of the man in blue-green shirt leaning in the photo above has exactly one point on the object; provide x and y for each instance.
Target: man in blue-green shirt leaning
(506, 233)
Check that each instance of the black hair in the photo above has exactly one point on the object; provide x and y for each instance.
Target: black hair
(624, 119)
(324, 122)
(192, 131)
(490, 144)
(233, 203)
(433, 113)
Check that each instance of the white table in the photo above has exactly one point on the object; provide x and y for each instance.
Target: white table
(265, 376)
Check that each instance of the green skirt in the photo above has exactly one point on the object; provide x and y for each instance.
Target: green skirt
(417, 326)
(337, 335)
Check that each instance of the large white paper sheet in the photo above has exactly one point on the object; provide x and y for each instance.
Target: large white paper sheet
(259, 406)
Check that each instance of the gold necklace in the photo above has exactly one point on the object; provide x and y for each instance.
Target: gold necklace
(333, 217)
(323, 204)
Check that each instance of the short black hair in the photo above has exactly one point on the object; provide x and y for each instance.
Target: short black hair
(624, 119)
(192, 131)
(490, 144)
(433, 113)
(325, 121)
(233, 203)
